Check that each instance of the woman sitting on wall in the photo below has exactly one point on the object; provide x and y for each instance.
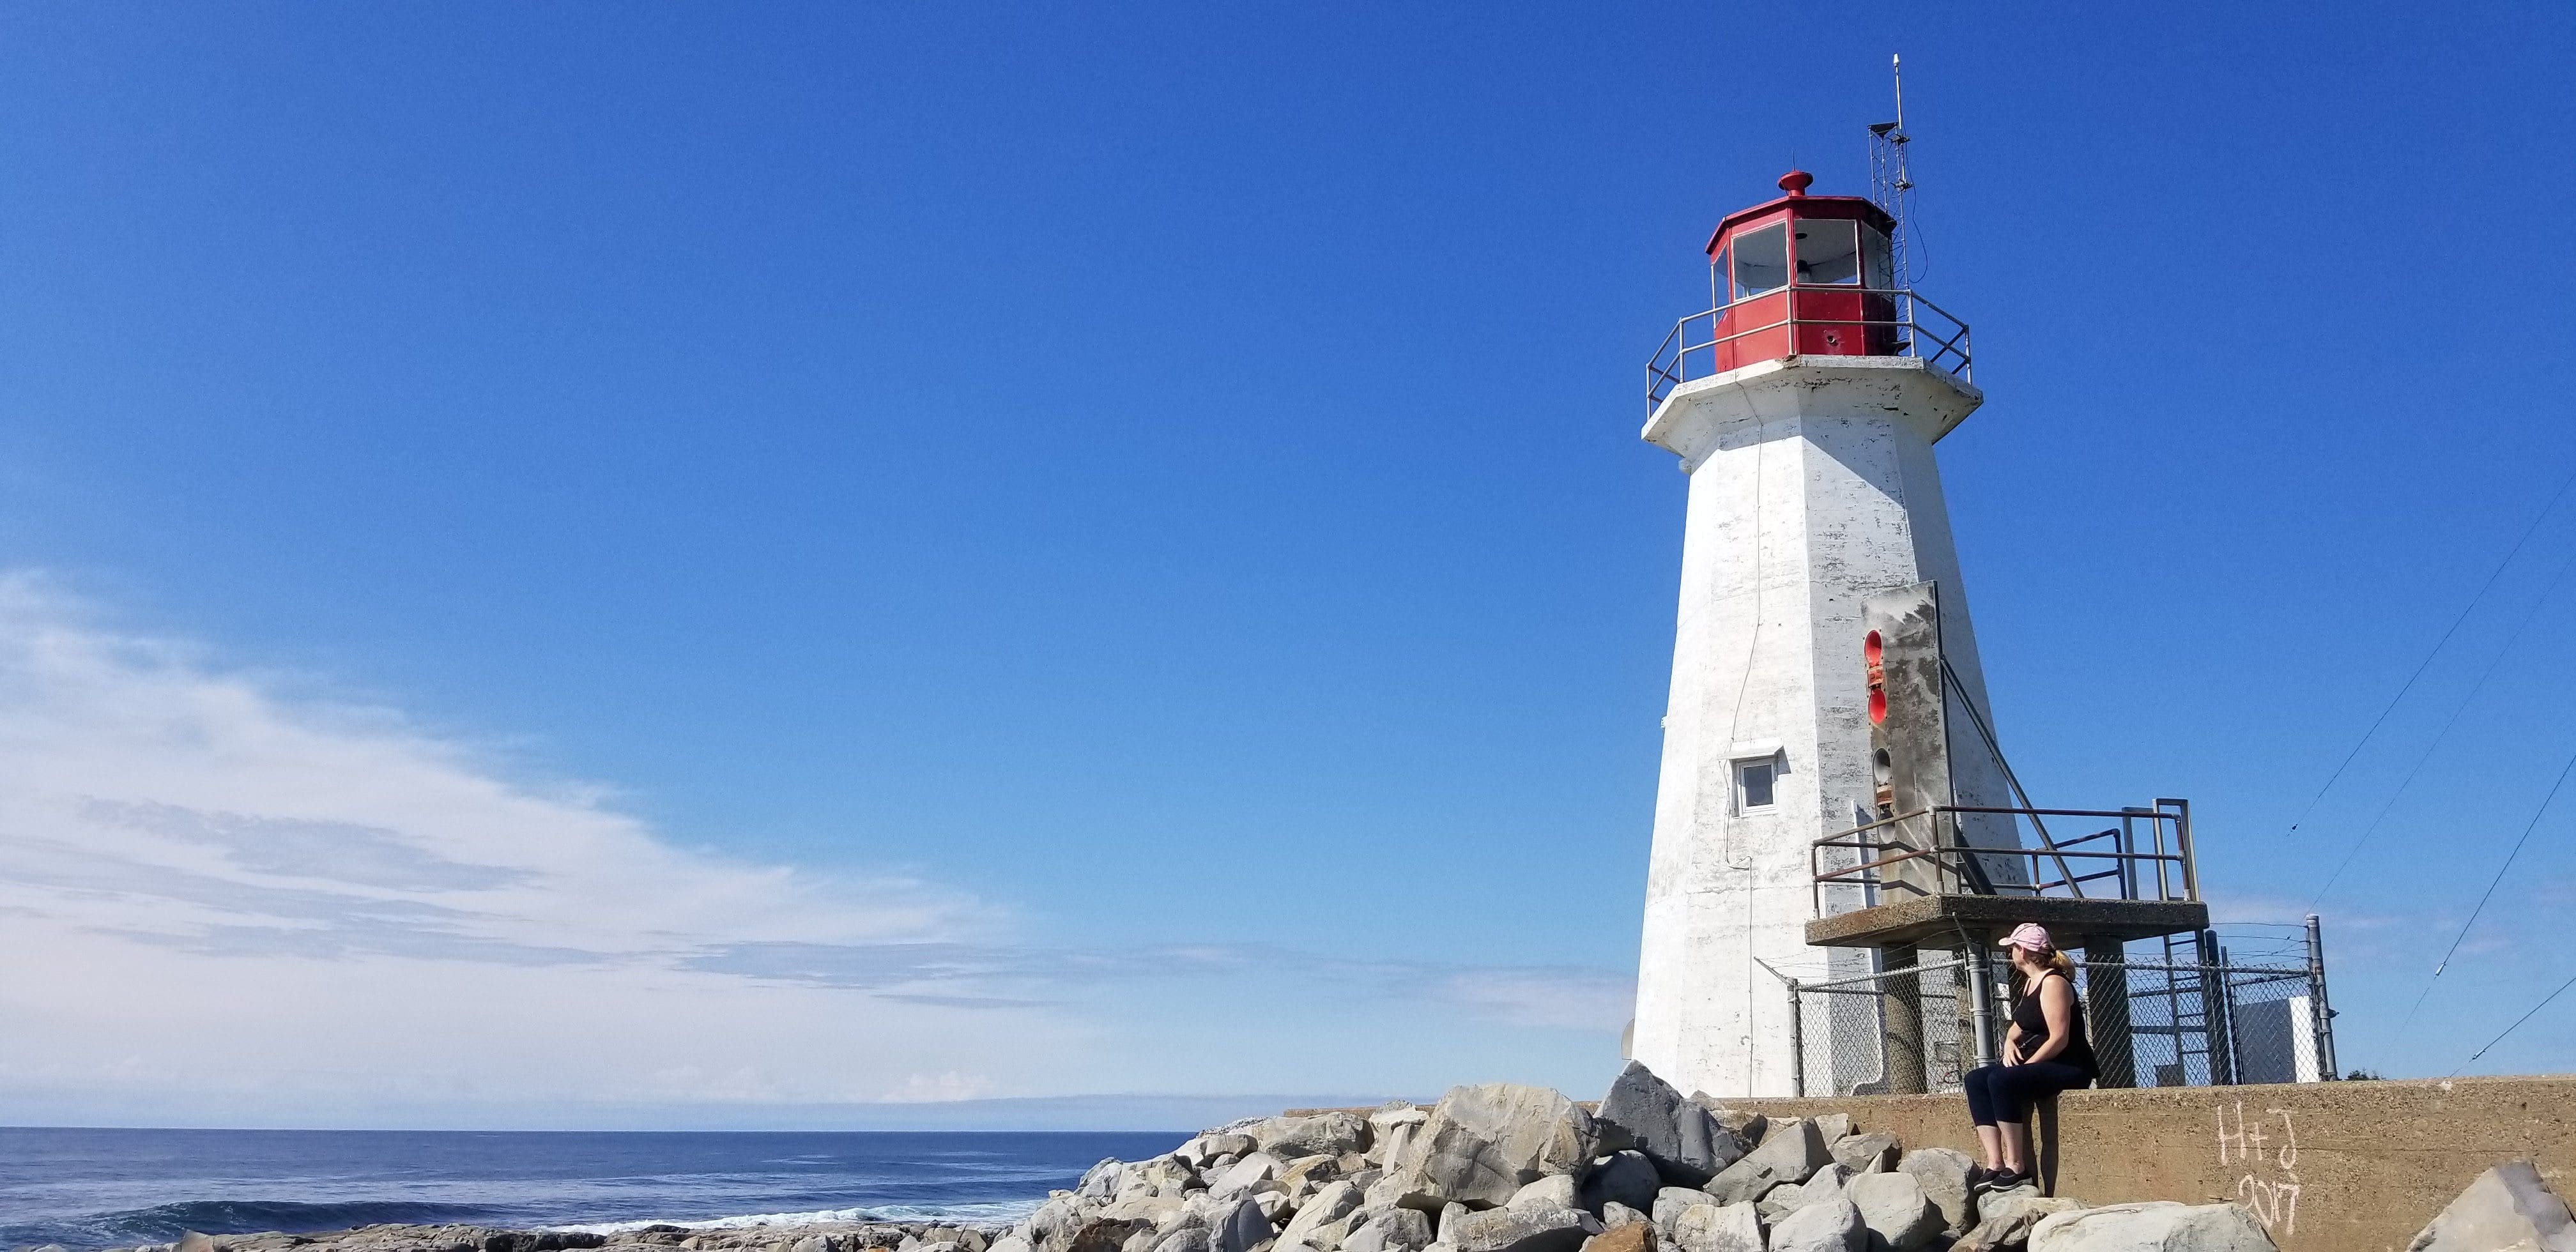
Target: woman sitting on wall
(2045, 1052)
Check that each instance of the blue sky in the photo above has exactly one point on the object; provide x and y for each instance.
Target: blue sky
(1095, 550)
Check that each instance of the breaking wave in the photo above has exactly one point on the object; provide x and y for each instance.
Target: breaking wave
(985, 1213)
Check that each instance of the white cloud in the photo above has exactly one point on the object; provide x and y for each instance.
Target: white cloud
(209, 889)
(1572, 999)
(226, 900)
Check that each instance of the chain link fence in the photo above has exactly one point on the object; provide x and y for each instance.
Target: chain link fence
(1913, 1028)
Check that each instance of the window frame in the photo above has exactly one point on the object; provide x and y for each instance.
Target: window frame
(1877, 268)
(1741, 768)
(1816, 225)
(1788, 259)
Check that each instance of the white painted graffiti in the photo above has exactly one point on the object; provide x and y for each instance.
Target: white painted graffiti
(2268, 1151)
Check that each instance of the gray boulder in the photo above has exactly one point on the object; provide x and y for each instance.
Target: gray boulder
(1672, 1201)
(1099, 1233)
(2005, 1220)
(1556, 1191)
(1392, 1127)
(1305, 1175)
(1716, 1228)
(1780, 1201)
(1866, 1154)
(1185, 1239)
(1252, 1173)
(1167, 1173)
(1625, 1178)
(1481, 1144)
(2503, 1206)
(2158, 1226)
(1899, 1216)
(1150, 1207)
(1825, 1184)
(1833, 1126)
(1615, 1215)
(1681, 1138)
(1242, 1227)
(1395, 1230)
(1833, 1226)
(1323, 1134)
(1098, 1182)
(1215, 1143)
(1333, 1202)
(1790, 1153)
(1522, 1230)
(1943, 1172)
(1330, 1235)
(1052, 1223)
(1744, 1124)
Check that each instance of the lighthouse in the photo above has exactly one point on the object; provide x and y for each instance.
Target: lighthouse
(1803, 406)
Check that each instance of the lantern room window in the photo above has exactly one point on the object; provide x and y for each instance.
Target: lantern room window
(1828, 252)
(1881, 263)
(1761, 261)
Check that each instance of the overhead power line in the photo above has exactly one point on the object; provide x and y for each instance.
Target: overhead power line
(2493, 664)
(2517, 1025)
(2536, 815)
(2438, 644)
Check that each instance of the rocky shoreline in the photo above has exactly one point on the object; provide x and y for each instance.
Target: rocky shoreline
(1505, 1168)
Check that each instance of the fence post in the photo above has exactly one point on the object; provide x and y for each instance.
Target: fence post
(1797, 1041)
(1901, 1040)
(1982, 997)
(2217, 1032)
(2106, 995)
(2320, 1012)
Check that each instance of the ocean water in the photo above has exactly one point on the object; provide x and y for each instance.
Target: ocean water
(89, 1189)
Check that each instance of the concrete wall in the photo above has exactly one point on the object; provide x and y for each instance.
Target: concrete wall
(2328, 1167)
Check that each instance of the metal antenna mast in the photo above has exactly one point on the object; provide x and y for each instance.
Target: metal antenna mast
(1891, 186)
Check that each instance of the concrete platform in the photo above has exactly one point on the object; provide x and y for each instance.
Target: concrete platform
(1938, 919)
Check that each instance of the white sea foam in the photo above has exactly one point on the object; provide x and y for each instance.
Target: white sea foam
(984, 1213)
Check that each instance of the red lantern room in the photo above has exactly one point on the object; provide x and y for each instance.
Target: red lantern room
(1802, 275)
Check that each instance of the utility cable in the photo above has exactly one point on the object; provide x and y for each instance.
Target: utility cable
(2536, 815)
(2517, 1025)
(2493, 664)
(2483, 588)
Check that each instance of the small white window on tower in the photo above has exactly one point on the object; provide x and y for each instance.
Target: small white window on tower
(1755, 783)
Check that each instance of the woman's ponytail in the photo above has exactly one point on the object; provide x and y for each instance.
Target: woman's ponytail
(2049, 959)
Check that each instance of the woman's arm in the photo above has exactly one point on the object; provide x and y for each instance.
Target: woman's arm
(2012, 1043)
(2057, 1005)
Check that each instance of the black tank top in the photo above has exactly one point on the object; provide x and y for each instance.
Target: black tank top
(2033, 1021)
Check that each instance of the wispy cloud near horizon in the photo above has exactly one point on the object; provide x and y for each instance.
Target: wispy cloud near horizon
(220, 890)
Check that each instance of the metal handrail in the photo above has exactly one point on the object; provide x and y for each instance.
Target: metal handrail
(1956, 862)
(1935, 343)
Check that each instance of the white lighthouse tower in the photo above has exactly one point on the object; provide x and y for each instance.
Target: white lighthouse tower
(1804, 407)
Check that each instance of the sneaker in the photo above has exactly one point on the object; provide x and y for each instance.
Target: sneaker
(1999, 1180)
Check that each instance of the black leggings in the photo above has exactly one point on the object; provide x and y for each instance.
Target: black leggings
(2003, 1093)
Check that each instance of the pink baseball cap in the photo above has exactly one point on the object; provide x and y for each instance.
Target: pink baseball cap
(2029, 937)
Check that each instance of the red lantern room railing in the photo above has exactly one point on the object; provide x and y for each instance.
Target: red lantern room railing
(1804, 276)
